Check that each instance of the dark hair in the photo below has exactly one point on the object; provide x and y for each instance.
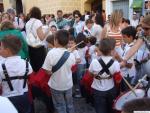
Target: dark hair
(52, 16)
(59, 11)
(142, 104)
(107, 45)
(12, 43)
(62, 36)
(81, 37)
(126, 21)
(77, 12)
(89, 21)
(53, 26)
(71, 38)
(50, 39)
(92, 40)
(129, 31)
(99, 19)
(35, 12)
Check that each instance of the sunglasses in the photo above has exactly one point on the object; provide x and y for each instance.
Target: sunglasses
(76, 17)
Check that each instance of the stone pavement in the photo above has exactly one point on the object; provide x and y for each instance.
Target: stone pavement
(81, 106)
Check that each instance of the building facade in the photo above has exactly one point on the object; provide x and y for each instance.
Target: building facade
(51, 6)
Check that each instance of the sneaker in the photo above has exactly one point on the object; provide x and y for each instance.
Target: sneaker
(78, 96)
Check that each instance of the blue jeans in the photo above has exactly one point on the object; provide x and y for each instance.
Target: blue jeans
(80, 71)
(103, 100)
(63, 101)
(21, 103)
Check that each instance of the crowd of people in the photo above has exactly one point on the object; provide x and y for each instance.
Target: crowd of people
(72, 48)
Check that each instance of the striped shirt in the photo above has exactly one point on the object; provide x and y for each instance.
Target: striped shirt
(116, 35)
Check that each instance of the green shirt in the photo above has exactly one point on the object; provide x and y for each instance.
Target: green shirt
(24, 49)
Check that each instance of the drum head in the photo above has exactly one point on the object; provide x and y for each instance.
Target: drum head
(148, 93)
(146, 68)
(122, 99)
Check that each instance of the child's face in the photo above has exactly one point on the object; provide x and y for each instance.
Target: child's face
(4, 52)
(127, 39)
(53, 30)
(71, 43)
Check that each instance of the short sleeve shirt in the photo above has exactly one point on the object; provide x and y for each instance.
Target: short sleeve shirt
(104, 84)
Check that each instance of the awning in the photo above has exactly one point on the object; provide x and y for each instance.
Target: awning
(137, 4)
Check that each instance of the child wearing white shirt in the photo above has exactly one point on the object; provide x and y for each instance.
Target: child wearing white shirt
(61, 81)
(13, 74)
(103, 71)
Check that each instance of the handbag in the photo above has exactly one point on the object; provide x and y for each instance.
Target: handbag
(33, 40)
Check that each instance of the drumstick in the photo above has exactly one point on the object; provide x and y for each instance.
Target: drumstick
(138, 84)
(76, 45)
(129, 86)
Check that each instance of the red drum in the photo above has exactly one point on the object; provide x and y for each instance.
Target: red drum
(127, 96)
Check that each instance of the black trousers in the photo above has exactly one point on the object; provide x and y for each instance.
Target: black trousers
(103, 100)
(37, 57)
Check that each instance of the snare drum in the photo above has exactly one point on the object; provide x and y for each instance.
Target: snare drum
(148, 92)
(127, 96)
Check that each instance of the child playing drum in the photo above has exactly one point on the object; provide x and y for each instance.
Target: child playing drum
(103, 71)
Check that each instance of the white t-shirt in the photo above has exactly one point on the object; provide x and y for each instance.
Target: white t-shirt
(78, 26)
(18, 23)
(92, 52)
(76, 54)
(61, 79)
(134, 22)
(127, 71)
(15, 67)
(82, 52)
(104, 84)
(96, 31)
(6, 106)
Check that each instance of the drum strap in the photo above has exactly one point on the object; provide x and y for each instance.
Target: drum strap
(8, 78)
(105, 67)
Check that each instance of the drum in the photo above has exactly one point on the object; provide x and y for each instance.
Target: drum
(127, 96)
(148, 92)
(146, 67)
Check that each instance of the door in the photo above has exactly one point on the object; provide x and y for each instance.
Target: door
(122, 5)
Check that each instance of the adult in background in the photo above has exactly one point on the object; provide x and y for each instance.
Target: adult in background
(18, 22)
(113, 29)
(61, 22)
(7, 28)
(78, 23)
(134, 20)
(98, 24)
(34, 25)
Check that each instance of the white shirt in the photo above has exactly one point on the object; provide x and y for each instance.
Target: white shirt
(105, 84)
(6, 106)
(134, 22)
(15, 67)
(78, 26)
(82, 52)
(32, 25)
(127, 71)
(76, 54)
(96, 31)
(18, 23)
(61, 79)
(92, 52)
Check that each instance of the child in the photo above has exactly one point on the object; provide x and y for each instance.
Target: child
(82, 49)
(129, 71)
(53, 29)
(61, 80)
(13, 80)
(92, 48)
(71, 44)
(102, 70)
(50, 40)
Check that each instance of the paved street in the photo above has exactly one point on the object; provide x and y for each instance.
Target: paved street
(82, 107)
